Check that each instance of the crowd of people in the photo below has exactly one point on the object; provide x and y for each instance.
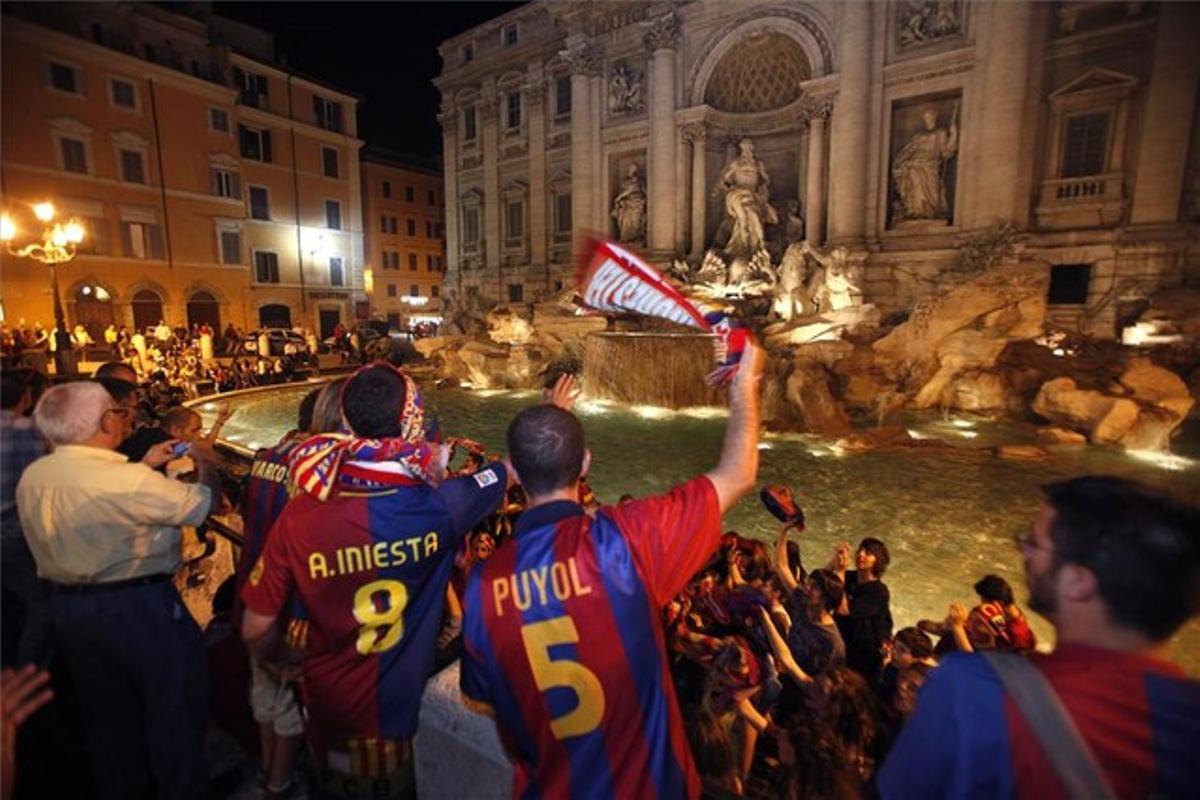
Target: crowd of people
(633, 649)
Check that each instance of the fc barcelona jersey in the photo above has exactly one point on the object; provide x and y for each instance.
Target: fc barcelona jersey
(371, 570)
(263, 498)
(563, 641)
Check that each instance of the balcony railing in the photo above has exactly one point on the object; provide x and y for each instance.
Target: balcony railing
(1085, 189)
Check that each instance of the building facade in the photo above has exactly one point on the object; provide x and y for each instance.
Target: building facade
(213, 185)
(925, 137)
(405, 238)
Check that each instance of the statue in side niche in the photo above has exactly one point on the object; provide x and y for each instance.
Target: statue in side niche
(629, 207)
(919, 170)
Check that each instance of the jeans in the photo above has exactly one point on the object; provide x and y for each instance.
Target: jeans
(137, 659)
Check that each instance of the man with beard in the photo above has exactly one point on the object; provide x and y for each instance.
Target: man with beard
(1115, 567)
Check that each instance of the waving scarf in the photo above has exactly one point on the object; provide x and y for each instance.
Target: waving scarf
(616, 280)
(340, 459)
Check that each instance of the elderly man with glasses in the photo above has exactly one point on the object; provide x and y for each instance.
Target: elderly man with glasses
(105, 532)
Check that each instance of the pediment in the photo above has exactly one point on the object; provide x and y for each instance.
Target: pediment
(70, 126)
(1096, 80)
(515, 189)
(560, 180)
(130, 139)
(509, 79)
(465, 97)
(472, 196)
(223, 160)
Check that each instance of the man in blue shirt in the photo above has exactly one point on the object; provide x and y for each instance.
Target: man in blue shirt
(26, 615)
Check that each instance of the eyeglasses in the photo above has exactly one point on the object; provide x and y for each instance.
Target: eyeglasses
(1025, 540)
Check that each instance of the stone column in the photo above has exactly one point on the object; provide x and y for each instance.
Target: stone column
(697, 136)
(997, 180)
(452, 274)
(536, 103)
(814, 179)
(1163, 149)
(849, 153)
(660, 42)
(583, 61)
(492, 236)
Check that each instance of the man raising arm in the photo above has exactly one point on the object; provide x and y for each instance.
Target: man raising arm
(562, 627)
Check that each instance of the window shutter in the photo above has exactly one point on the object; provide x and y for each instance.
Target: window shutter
(237, 185)
(266, 146)
(214, 181)
(337, 116)
(317, 110)
(126, 240)
(154, 234)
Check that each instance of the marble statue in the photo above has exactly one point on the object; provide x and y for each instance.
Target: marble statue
(625, 92)
(790, 291)
(919, 170)
(924, 21)
(629, 207)
(832, 287)
(744, 184)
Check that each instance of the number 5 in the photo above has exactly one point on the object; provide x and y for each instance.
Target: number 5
(539, 637)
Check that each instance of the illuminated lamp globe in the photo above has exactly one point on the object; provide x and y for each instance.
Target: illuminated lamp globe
(44, 211)
(8, 229)
(74, 232)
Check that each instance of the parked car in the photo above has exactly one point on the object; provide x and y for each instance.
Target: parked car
(277, 337)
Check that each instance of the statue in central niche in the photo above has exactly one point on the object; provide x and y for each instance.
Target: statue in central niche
(744, 183)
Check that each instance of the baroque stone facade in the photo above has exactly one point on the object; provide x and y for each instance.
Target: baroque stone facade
(902, 131)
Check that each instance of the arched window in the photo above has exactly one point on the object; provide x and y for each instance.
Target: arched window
(94, 310)
(147, 309)
(203, 309)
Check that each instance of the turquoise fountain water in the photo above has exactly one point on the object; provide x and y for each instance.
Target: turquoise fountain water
(947, 514)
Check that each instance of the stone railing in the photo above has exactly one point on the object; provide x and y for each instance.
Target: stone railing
(1089, 188)
(1087, 201)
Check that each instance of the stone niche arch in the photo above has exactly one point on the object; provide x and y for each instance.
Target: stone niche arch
(798, 22)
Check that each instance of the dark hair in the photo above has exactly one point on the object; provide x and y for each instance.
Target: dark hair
(545, 444)
(112, 369)
(117, 389)
(13, 386)
(372, 400)
(713, 749)
(829, 586)
(1142, 544)
(878, 549)
(794, 562)
(915, 640)
(304, 417)
(994, 589)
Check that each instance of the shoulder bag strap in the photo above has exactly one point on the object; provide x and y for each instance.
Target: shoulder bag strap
(1050, 722)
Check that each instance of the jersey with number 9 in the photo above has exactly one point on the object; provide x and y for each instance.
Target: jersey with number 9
(371, 568)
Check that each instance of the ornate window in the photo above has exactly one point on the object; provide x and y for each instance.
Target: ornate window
(1084, 181)
(762, 72)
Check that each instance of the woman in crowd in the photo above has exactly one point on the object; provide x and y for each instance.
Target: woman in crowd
(865, 616)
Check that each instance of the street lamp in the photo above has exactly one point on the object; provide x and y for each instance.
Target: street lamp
(58, 244)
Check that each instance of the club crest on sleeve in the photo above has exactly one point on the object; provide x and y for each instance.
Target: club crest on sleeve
(257, 572)
(486, 478)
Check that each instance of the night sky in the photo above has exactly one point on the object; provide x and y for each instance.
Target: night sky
(385, 53)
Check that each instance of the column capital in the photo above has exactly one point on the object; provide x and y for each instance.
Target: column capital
(695, 133)
(583, 58)
(662, 33)
(816, 107)
(448, 118)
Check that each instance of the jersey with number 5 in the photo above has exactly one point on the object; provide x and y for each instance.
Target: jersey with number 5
(371, 568)
(563, 641)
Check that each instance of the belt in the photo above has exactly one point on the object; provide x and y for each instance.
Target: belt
(131, 583)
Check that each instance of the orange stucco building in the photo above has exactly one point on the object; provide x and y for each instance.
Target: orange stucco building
(213, 185)
(405, 237)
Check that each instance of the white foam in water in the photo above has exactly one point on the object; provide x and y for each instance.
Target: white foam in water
(1165, 461)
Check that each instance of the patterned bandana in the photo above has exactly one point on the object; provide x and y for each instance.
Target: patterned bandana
(352, 462)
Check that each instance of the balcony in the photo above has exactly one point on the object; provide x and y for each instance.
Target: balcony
(1088, 201)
